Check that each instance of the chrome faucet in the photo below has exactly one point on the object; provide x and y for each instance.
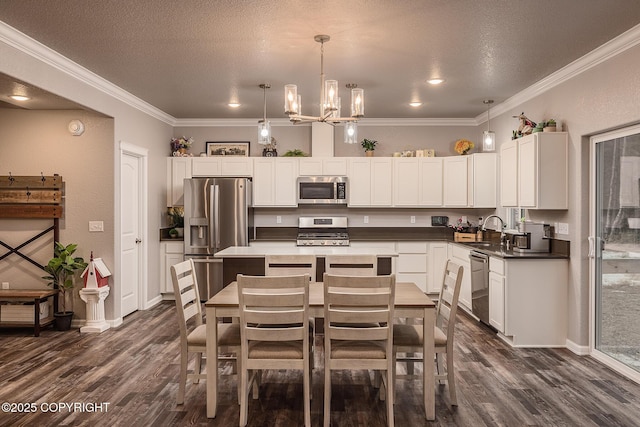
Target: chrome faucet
(502, 235)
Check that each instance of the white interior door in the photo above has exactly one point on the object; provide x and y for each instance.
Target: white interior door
(132, 226)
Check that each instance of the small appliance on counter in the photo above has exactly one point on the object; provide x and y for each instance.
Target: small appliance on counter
(322, 231)
(535, 238)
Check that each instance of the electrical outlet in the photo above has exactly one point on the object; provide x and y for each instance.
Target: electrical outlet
(413, 219)
(464, 219)
(5, 285)
(278, 219)
(366, 219)
(96, 226)
(563, 228)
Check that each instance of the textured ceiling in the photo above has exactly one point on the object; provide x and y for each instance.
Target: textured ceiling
(191, 58)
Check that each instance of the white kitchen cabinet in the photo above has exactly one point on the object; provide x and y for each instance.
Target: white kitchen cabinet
(170, 253)
(411, 264)
(509, 173)
(470, 181)
(535, 302)
(543, 171)
(483, 180)
(430, 182)
(460, 255)
(406, 181)
(456, 181)
(417, 182)
(436, 262)
(222, 166)
(319, 166)
(178, 168)
(274, 181)
(370, 182)
(496, 293)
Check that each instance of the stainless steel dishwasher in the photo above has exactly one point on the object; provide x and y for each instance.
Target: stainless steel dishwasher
(480, 285)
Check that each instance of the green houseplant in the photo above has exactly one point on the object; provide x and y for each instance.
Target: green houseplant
(62, 269)
(176, 217)
(369, 145)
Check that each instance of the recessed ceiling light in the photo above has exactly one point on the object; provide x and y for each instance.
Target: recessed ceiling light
(415, 104)
(234, 104)
(19, 98)
(435, 81)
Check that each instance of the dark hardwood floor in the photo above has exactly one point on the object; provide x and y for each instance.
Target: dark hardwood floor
(134, 369)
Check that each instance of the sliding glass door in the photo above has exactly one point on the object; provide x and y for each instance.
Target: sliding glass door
(615, 249)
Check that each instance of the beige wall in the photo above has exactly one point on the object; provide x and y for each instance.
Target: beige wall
(41, 143)
(129, 125)
(603, 98)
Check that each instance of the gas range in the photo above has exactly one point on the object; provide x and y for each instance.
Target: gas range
(322, 231)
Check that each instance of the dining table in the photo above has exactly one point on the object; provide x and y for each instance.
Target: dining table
(410, 302)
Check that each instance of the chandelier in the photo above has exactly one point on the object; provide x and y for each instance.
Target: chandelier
(329, 100)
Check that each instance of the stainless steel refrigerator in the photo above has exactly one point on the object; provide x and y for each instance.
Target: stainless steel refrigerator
(217, 214)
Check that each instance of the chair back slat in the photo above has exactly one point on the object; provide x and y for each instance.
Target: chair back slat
(351, 265)
(185, 289)
(449, 295)
(290, 265)
(273, 308)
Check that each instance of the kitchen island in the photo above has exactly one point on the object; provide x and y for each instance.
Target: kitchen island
(250, 260)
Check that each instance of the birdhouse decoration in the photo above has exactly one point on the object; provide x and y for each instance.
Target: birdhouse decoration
(96, 275)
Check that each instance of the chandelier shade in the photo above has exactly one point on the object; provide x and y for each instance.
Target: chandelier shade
(330, 102)
(350, 133)
(488, 136)
(264, 126)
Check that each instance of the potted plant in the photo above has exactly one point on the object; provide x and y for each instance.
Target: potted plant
(550, 126)
(62, 269)
(176, 216)
(369, 145)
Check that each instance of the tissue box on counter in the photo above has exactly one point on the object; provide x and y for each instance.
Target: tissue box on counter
(22, 312)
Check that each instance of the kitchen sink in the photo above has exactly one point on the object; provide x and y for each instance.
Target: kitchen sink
(481, 244)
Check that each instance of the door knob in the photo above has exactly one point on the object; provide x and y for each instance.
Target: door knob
(138, 241)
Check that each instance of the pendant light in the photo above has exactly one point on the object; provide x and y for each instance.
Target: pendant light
(350, 133)
(264, 126)
(488, 136)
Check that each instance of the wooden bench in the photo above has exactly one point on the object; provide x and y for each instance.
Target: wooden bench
(35, 295)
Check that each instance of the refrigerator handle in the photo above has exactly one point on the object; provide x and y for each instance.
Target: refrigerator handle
(214, 219)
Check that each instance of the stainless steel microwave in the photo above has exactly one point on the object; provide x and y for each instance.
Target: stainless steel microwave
(314, 190)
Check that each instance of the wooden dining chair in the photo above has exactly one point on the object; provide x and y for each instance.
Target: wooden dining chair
(358, 313)
(351, 265)
(192, 328)
(274, 316)
(286, 265)
(409, 338)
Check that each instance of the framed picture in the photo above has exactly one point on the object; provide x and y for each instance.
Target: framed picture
(228, 148)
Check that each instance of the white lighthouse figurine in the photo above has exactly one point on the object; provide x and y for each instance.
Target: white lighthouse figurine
(95, 291)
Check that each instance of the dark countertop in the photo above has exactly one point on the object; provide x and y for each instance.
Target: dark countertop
(559, 248)
(494, 249)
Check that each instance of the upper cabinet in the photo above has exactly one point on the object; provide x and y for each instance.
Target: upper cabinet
(319, 166)
(470, 181)
(417, 181)
(370, 181)
(274, 181)
(540, 180)
(222, 166)
(178, 168)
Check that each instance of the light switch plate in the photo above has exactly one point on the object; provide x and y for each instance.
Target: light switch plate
(5, 285)
(96, 226)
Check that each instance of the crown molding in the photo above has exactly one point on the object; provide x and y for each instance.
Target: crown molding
(37, 50)
(42, 53)
(613, 47)
(361, 122)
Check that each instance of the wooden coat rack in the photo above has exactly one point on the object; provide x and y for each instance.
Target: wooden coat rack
(35, 197)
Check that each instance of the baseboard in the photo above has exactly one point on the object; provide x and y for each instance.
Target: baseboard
(152, 303)
(580, 350)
